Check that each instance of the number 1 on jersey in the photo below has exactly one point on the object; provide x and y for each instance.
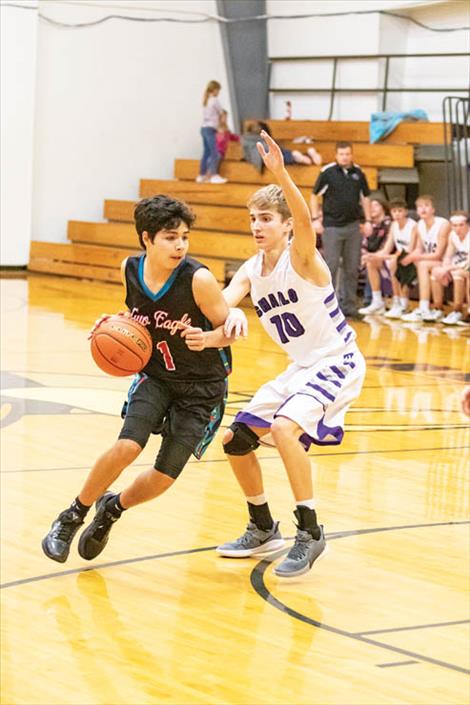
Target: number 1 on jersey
(162, 347)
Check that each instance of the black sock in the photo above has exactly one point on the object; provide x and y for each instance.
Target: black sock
(80, 508)
(307, 519)
(261, 516)
(114, 506)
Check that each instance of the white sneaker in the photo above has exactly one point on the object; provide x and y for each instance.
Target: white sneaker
(433, 315)
(395, 312)
(415, 316)
(452, 318)
(201, 179)
(218, 179)
(375, 307)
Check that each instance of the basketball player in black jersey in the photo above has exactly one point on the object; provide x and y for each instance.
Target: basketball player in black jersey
(181, 392)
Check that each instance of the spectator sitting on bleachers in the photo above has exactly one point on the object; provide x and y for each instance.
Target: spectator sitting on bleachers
(433, 234)
(380, 221)
(224, 136)
(401, 240)
(251, 136)
(454, 267)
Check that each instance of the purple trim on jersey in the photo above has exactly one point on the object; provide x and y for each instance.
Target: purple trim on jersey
(334, 313)
(320, 389)
(251, 420)
(321, 376)
(348, 336)
(337, 371)
(329, 298)
(341, 325)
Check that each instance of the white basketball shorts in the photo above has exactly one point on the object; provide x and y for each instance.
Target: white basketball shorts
(316, 398)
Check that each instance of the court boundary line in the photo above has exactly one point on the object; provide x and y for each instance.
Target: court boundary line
(259, 586)
(124, 561)
(257, 582)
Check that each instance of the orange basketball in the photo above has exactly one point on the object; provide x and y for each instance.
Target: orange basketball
(120, 346)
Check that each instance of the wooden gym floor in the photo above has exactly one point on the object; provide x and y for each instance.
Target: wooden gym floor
(158, 617)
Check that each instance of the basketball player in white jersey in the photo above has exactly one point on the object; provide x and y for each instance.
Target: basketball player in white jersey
(291, 289)
(455, 268)
(401, 240)
(433, 234)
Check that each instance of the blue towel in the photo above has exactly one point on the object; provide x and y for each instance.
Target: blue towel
(382, 124)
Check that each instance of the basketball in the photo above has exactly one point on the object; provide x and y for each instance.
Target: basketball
(120, 346)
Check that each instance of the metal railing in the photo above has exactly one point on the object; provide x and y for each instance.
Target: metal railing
(456, 113)
(333, 90)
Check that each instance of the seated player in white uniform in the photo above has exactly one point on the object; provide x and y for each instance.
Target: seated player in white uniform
(433, 234)
(291, 289)
(401, 240)
(455, 268)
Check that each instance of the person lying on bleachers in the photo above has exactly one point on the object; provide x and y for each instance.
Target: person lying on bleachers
(251, 136)
(433, 235)
(454, 269)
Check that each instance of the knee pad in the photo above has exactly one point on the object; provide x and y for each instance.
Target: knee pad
(244, 440)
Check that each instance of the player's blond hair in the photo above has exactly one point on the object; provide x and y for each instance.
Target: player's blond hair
(270, 198)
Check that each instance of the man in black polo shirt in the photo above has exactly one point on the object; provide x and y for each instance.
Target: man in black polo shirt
(345, 192)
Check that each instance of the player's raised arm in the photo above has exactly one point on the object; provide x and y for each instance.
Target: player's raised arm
(304, 241)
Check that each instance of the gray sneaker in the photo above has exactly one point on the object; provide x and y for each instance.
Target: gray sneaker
(253, 541)
(302, 555)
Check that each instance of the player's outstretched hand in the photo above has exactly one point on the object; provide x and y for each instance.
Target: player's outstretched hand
(195, 338)
(273, 159)
(236, 324)
(105, 317)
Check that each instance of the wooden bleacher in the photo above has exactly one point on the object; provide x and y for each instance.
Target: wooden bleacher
(222, 237)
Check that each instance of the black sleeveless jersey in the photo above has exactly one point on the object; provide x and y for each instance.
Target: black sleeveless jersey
(162, 312)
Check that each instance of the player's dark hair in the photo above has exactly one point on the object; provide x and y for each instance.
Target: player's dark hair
(160, 213)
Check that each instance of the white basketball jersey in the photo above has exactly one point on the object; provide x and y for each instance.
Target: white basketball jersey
(402, 237)
(303, 319)
(461, 255)
(429, 236)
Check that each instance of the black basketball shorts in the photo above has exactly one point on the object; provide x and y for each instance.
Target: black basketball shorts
(186, 413)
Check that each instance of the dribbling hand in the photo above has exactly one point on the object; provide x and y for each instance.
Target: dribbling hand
(105, 317)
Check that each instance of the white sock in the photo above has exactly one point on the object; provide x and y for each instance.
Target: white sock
(396, 300)
(310, 503)
(257, 500)
(424, 305)
(403, 302)
(377, 297)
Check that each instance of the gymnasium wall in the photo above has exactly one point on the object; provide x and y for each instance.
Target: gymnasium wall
(17, 85)
(362, 34)
(114, 103)
(87, 112)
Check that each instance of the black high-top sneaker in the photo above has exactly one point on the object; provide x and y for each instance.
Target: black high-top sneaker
(95, 537)
(56, 545)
